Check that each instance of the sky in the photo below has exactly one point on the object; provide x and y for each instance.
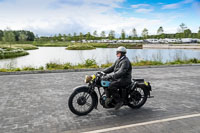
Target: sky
(50, 17)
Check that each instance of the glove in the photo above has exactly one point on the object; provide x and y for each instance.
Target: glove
(101, 73)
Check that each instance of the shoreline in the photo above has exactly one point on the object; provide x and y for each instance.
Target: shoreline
(91, 69)
(171, 46)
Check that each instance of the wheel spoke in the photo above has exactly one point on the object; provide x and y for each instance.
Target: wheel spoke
(82, 101)
(88, 104)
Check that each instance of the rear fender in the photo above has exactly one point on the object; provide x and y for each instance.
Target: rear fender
(86, 88)
(143, 86)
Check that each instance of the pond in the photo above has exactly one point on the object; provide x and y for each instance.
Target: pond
(44, 55)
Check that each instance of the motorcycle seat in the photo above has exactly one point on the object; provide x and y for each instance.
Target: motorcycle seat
(138, 80)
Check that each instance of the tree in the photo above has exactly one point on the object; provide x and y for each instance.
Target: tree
(134, 33)
(9, 36)
(88, 36)
(187, 33)
(111, 35)
(103, 34)
(75, 38)
(59, 37)
(30, 36)
(1, 35)
(81, 37)
(64, 37)
(199, 33)
(183, 27)
(69, 37)
(22, 37)
(160, 30)
(123, 34)
(144, 33)
(95, 33)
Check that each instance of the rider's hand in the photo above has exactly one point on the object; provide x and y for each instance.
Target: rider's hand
(101, 73)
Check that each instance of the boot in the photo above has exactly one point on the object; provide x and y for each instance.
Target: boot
(108, 101)
(119, 105)
(120, 101)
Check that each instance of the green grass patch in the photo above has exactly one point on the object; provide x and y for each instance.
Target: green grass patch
(11, 53)
(80, 47)
(51, 44)
(19, 46)
(147, 63)
(89, 63)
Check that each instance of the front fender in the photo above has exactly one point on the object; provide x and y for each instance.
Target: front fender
(86, 88)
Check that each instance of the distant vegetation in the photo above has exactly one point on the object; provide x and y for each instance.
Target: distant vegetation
(91, 63)
(183, 32)
(10, 36)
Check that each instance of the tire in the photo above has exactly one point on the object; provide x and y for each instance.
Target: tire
(72, 107)
(142, 102)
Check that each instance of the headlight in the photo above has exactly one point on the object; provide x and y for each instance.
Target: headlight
(88, 78)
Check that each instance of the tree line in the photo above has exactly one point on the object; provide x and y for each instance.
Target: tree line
(183, 32)
(9, 35)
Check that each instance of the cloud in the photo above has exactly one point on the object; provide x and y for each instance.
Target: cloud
(196, 6)
(140, 5)
(171, 6)
(143, 10)
(62, 16)
(69, 16)
(176, 5)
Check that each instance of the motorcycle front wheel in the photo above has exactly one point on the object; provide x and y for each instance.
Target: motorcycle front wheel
(81, 102)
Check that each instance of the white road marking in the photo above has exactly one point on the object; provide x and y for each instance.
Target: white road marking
(144, 123)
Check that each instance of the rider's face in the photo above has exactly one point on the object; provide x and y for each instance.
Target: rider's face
(118, 54)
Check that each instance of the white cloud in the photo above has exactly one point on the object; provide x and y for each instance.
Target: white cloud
(176, 5)
(170, 6)
(140, 5)
(143, 10)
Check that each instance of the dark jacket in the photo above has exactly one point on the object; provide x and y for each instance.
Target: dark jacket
(122, 70)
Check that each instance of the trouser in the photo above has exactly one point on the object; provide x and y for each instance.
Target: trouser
(112, 89)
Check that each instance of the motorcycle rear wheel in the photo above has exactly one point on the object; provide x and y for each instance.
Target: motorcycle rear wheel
(137, 98)
(79, 100)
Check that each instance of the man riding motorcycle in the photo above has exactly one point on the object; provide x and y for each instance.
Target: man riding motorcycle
(120, 78)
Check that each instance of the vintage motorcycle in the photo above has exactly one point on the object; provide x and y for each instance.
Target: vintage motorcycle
(84, 98)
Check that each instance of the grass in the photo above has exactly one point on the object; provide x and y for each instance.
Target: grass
(80, 47)
(19, 46)
(91, 63)
(52, 44)
(85, 46)
(11, 53)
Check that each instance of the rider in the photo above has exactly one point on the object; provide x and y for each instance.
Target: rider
(120, 78)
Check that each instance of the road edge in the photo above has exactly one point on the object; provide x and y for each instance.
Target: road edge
(89, 69)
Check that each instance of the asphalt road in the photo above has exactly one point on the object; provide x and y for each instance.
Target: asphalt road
(37, 103)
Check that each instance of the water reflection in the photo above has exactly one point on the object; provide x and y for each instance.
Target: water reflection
(44, 55)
